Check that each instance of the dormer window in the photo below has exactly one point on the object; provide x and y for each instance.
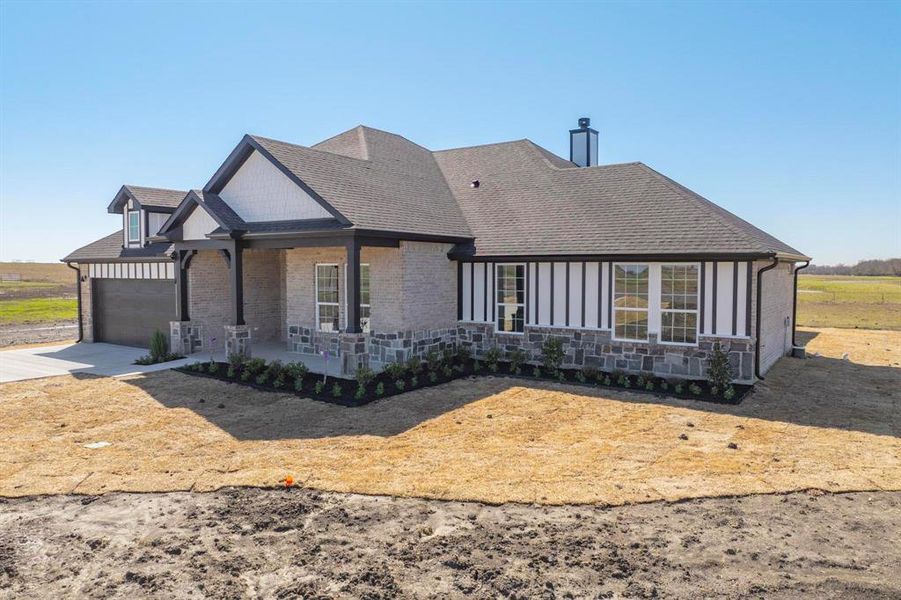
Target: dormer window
(134, 226)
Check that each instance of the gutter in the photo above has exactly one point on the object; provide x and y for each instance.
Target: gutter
(795, 306)
(759, 312)
(78, 302)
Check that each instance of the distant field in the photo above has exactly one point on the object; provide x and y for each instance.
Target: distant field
(37, 310)
(36, 293)
(843, 301)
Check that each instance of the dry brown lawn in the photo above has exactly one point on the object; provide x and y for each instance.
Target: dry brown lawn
(822, 423)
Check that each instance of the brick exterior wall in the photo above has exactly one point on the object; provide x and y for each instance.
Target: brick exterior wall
(776, 315)
(87, 306)
(429, 287)
(262, 294)
(208, 296)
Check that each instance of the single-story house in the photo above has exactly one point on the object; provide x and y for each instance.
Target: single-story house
(377, 249)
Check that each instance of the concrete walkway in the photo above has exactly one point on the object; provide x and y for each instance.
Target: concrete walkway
(96, 359)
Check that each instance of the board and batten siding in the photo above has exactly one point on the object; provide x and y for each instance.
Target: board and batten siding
(579, 295)
(131, 270)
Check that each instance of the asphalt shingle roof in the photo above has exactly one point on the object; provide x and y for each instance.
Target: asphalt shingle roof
(163, 198)
(110, 248)
(397, 187)
(525, 204)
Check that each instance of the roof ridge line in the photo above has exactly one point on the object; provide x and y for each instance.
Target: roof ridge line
(480, 145)
(311, 149)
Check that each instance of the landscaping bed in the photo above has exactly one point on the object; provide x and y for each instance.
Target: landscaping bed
(398, 378)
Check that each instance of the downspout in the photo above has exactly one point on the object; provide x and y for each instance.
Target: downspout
(759, 312)
(78, 301)
(795, 305)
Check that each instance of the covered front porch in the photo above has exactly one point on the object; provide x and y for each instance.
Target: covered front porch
(263, 297)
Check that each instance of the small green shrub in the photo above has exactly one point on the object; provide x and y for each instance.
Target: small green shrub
(433, 359)
(295, 370)
(320, 385)
(213, 368)
(246, 375)
(159, 346)
(414, 365)
(664, 385)
(580, 377)
(364, 376)
(719, 370)
(641, 380)
(380, 389)
(275, 368)
(236, 360)
(254, 366)
(448, 355)
(476, 366)
(261, 379)
(230, 373)
(517, 359)
(561, 376)
(433, 377)
(536, 372)
(622, 379)
(396, 370)
(200, 367)
(492, 357)
(606, 380)
(400, 384)
(361, 391)
(649, 386)
(447, 371)
(298, 384)
(463, 353)
(336, 390)
(414, 381)
(679, 388)
(590, 373)
(695, 389)
(552, 354)
(729, 394)
(278, 383)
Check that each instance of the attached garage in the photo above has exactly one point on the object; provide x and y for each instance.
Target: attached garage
(128, 311)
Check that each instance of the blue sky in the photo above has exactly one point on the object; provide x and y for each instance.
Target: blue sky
(787, 114)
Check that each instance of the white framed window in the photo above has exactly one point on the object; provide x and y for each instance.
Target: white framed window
(630, 302)
(134, 226)
(327, 307)
(365, 306)
(510, 286)
(679, 285)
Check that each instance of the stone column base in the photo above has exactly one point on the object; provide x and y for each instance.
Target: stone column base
(237, 341)
(352, 349)
(185, 337)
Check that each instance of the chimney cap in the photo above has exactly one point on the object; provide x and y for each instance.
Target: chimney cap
(584, 122)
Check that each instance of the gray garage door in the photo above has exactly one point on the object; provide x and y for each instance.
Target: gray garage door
(128, 311)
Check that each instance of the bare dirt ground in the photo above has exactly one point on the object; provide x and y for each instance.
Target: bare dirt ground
(822, 423)
(252, 543)
(21, 334)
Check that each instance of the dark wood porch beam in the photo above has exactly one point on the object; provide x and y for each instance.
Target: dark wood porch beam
(182, 260)
(236, 283)
(353, 286)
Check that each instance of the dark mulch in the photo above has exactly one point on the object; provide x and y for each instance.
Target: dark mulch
(345, 392)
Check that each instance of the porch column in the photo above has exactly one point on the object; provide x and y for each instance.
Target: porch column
(184, 337)
(236, 282)
(182, 260)
(353, 286)
(237, 333)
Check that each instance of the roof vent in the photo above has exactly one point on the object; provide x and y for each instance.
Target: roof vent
(474, 184)
(583, 144)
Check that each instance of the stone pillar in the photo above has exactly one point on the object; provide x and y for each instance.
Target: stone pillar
(237, 340)
(185, 337)
(352, 350)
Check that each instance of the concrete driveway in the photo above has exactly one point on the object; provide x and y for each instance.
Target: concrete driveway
(64, 359)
